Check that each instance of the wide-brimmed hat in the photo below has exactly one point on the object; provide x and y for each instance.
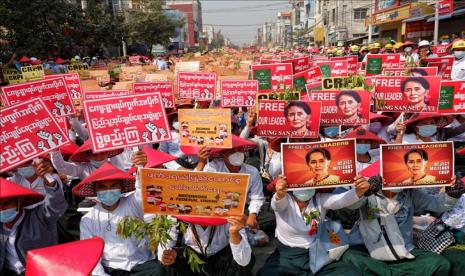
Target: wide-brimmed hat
(461, 151)
(275, 143)
(12, 190)
(385, 120)
(69, 148)
(203, 221)
(171, 116)
(107, 171)
(238, 143)
(408, 43)
(155, 158)
(80, 155)
(59, 61)
(418, 117)
(76, 258)
(361, 133)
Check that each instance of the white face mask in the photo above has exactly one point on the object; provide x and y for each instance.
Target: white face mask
(236, 159)
(408, 49)
(176, 125)
(459, 54)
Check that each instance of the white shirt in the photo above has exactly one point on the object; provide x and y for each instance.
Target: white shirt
(458, 70)
(255, 197)
(37, 185)
(460, 137)
(11, 259)
(291, 229)
(123, 160)
(275, 168)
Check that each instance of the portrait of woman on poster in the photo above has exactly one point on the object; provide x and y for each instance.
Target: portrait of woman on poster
(348, 103)
(416, 90)
(318, 160)
(298, 116)
(416, 161)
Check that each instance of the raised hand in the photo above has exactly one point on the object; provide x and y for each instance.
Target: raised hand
(59, 138)
(139, 158)
(361, 185)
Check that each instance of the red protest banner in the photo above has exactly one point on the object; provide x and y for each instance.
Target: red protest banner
(197, 85)
(53, 92)
(444, 65)
(414, 72)
(126, 121)
(295, 119)
(376, 63)
(73, 82)
(103, 94)
(407, 94)
(345, 108)
(28, 130)
(440, 50)
(352, 63)
(298, 64)
(273, 77)
(237, 93)
(452, 97)
(165, 88)
(333, 68)
(319, 165)
(417, 165)
(314, 75)
(63, 122)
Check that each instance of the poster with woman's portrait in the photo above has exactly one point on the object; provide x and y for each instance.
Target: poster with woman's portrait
(417, 165)
(345, 108)
(297, 119)
(412, 94)
(319, 165)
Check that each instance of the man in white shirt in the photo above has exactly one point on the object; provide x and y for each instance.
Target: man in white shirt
(458, 68)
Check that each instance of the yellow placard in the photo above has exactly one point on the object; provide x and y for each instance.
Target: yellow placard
(187, 66)
(130, 73)
(81, 68)
(193, 193)
(155, 77)
(12, 76)
(122, 85)
(33, 72)
(205, 127)
(340, 83)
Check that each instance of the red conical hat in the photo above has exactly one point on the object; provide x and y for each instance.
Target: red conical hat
(203, 221)
(418, 117)
(155, 158)
(77, 258)
(81, 156)
(461, 151)
(69, 149)
(371, 170)
(361, 133)
(385, 120)
(24, 59)
(11, 190)
(59, 61)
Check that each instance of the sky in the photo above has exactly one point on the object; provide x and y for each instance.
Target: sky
(251, 13)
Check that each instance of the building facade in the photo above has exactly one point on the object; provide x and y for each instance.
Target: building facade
(193, 12)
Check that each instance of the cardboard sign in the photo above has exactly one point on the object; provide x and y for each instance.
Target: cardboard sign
(417, 165)
(376, 63)
(237, 93)
(81, 68)
(444, 65)
(352, 63)
(452, 97)
(187, 66)
(205, 194)
(131, 73)
(73, 82)
(155, 77)
(53, 92)
(12, 76)
(273, 77)
(33, 72)
(205, 127)
(296, 119)
(298, 64)
(340, 83)
(28, 130)
(103, 94)
(197, 85)
(413, 72)
(333, 68)
(134, 59)
(165, 88)
(345, 108)
(126, 121)
(330, 164)
(421, 94)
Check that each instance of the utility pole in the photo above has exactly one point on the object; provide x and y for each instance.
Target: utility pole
(370, 23)
(436, 21)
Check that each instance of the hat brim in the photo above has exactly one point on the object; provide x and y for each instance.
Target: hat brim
(13, 190)
(81, 153)
(203, 221)
(385, 120)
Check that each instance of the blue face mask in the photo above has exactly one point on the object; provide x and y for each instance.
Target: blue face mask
(109, 197)
(427, 130)
(375, 127)
(304, 195)
(97, 163)
(331, 131)
(363, 148)
(8, 215)
(26, 171)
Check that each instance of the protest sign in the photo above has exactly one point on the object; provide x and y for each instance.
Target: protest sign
(417, 165)
(28, 130)
(414, 72)
(12, 76)
(197, 85)
(352, 63)
(187, 66)
(273, 77)
(205, 194)
(407, 94)
(452, 97)
(376, 63)
(333, 68)
(296, 119)
(126, 121)
(103, 94)
(205, 127)
(299, 81)
(63, 123)
(345, 108)
(134, 59)
(444, 65)
(238, 93)
(165, 88)
(33, 72)
(53, 92)
(298, 64)
(73, 83)
(154, 77)
(81, 68)
(440, 50)
(339, 83)
(319, 165)
(131, 73)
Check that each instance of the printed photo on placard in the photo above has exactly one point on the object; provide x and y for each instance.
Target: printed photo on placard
(452, 97)
(411, 72)
(273, 77)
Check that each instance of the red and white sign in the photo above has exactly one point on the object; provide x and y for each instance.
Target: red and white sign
(444, 65)
(273, 77)
(197, 85)
(165, 88)
(336, 68)
(376, 63)
(298, 64)
(53, 92)
(103, 94)
(28, 130)
(63, 122)
(446, 7)
(73, 82)
(237, 93)
(314, 75)
(417, 71)
(126, 121)
(452, 97)
(352, 62)
(440, 50)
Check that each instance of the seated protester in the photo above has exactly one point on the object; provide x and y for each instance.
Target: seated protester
(24, 227)
(223, 246)
(379, 124)
(367, 147)
(83, 162)
(296, 229)
(398, 206)
(232, 161)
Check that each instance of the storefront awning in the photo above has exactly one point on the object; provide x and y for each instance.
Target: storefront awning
(416, 18)
(447, 16)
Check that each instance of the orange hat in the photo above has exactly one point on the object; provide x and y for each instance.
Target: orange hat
(237, 143)
(155, 158)
(80, 155)
(361, 133)
(11, 190)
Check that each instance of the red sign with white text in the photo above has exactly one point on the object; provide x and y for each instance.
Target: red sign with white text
(28, 130)
(352, 62)
(273, 77)
(334, 68)
(376, 63)
(440, 50)
(165, 88)
(414, 72)
(452, 97)
(126, 121)
(103, 94)
(237, 93)
(73, 82)
(298, 64)
(444, 65)
(197, 85)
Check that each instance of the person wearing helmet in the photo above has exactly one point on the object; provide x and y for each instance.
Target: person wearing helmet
(408, 54)
(329, 53)
(388, 48)
(339, 53)
(363, 53)
(397, 46)
(458, 68)
(424, 50)
(375, 47)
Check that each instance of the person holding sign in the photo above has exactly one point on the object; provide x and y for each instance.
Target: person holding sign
(318, 161)
(298, 115)
(421, 127)
(349, 103)
(458, 67)
(416, 161)
(415, 90)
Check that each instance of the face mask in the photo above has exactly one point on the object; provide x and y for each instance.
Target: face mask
(8, 215)
(97, 163)
(176, 125)
(236, 159)
(375, 127)
(462, 115)
(408, 49)
(363, 148)
(396, 191)
(427, 130)
(109, 197)
(459, 54)
(304, 195)
(331, 131)
(26, 171)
